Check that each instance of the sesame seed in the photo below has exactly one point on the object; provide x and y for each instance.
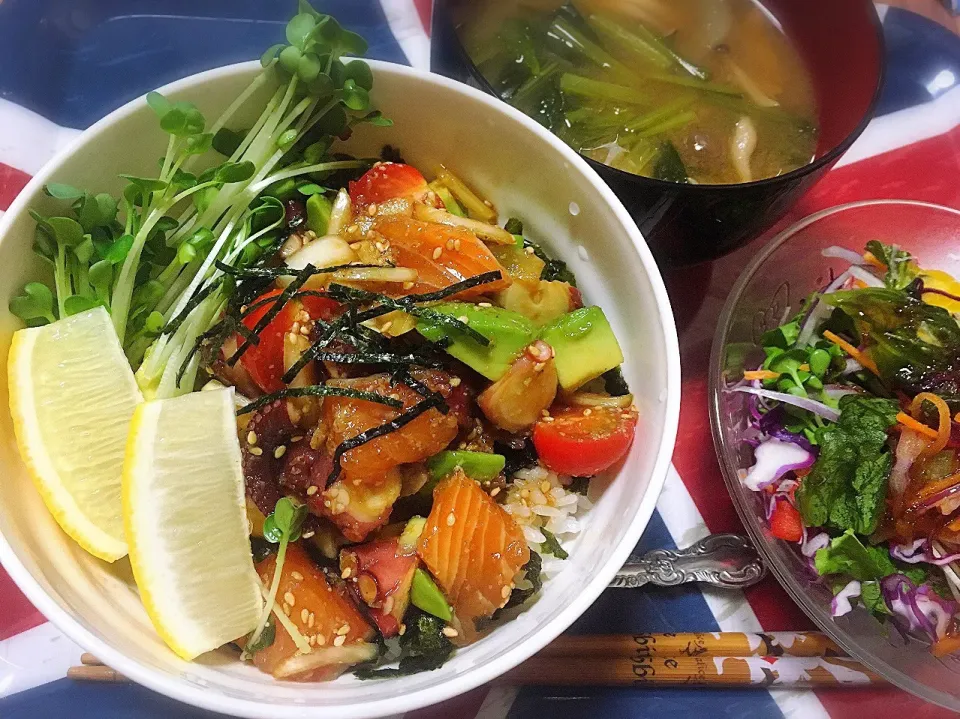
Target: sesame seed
(345, 629)
(538, 367)
(464, 319)
(309, 533)
(545, 486)
(451, 518)
(529, 250)
(345, 573)
(312, 490)
(297, 438)
(495, 492)
(407, 285)
(587, 412)
(256, 451)
(456, 245)
(372, 209)
(352, 229)
(488, 204)
(321, 640)
(312, 640)
(326, 503)
(304, 615)
(505, 592)
(311, 620)
(437, 252)
(484, 304)
(280, 451)
(454, 381)
(286, 609)
(449, 244)
(290, 599)
(338, 641)
(243, 308)
(388, 605)
(548, 419)
(402, 630)
(296, 575)
(544, 413)
(450, 632)
(386, 326)
(251, 437)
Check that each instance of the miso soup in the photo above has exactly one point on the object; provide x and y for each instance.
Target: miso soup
(699, 91)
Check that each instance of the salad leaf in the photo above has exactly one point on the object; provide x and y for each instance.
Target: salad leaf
(847, 486)
(847, 555)
(872, 597)
(910, 341)
(900, 268)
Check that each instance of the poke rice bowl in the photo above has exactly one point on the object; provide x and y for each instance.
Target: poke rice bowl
(768, 294)
(526, 172)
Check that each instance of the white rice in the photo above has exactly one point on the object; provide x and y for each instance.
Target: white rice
(537, 499)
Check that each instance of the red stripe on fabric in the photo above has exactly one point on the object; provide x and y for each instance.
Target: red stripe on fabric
(12, 181)
(17, 614)
(465, 706)
(424, 10)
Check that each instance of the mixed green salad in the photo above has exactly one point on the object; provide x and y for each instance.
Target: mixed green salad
(855, 429)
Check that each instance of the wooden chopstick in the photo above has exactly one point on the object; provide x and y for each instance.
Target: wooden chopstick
(717, 659)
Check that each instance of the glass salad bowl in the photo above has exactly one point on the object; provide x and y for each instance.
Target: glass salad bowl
(767, 294)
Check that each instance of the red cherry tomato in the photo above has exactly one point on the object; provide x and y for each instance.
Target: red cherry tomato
(264, 361)
(786, 522)
(387, 181)
(582, 442)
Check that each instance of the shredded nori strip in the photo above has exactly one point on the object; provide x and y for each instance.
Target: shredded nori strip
(404, 377)
(320, 390)
(326, 337)
(389, 358)
(198, 297)
(267, 300)
(484, 278)
(285, 271)
(267, 318)
(384, 429)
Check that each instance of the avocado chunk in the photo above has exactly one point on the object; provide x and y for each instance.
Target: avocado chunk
(318, 214)
(508, 332)
(481, 466)
(426, 595)
(584, 346)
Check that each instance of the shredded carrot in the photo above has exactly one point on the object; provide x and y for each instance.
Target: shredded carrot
(907, 421)
(760, 374)
(943, 430)
(946, 645)
(859, 356)
(871, 259)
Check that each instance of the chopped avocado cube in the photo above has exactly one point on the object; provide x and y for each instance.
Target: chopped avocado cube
(318, 214)
(508, 332)
(584, 346)
(426, 595)
(481, 466)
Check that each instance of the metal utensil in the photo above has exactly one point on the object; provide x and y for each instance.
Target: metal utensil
(727, 561)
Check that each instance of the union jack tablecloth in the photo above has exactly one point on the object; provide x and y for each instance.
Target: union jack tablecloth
(66, 63)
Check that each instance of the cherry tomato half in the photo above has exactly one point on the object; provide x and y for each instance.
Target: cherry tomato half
(786, 522)
(582, 442)
(387, 181)
(264, 361)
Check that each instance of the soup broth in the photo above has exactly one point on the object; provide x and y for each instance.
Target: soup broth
(700, 91)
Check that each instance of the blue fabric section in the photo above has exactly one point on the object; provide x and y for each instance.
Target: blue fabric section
(923, 61)
(656, 609)
(73, 61)
(68, 699)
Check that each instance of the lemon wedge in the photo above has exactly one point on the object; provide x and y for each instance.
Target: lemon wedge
(72, 395)
(185, 517)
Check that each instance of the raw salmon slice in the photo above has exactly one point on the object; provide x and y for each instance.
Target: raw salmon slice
(473, 548)
(442, 255)
(321, 611)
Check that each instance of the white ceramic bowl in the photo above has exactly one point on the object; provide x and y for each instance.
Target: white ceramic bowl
(526, 172)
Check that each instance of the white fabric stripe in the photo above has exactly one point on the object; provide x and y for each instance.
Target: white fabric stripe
(408, 30)
(730, 608)
(37, 656)
(497, 703)
(28, 140)
(905, 127)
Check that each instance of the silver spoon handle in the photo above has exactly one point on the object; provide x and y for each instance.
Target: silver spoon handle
(728, 561)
